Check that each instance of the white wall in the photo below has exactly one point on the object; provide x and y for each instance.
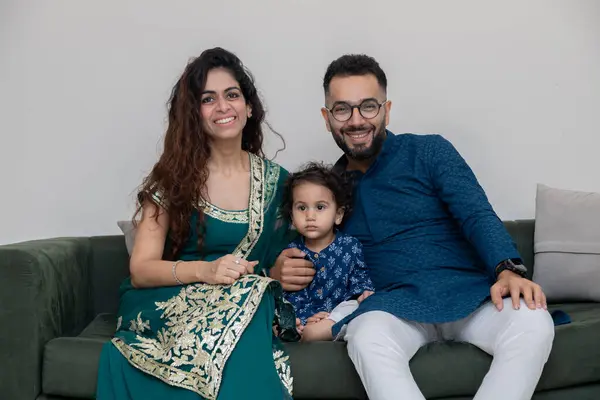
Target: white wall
(83, 86)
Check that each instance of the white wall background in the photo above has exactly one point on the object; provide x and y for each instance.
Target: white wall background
(515, 85)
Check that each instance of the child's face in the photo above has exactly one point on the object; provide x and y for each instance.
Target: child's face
(314, 211)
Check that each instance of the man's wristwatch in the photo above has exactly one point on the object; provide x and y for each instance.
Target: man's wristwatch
(511, 265)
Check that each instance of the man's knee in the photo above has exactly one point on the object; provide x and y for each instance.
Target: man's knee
(536, 324)
(542, 327)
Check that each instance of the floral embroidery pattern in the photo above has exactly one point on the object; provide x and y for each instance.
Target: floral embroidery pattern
(137, 325)
(202, 325)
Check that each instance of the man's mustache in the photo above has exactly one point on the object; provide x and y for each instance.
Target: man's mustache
(358, 128)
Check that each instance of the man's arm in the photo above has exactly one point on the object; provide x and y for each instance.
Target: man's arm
(458, 187)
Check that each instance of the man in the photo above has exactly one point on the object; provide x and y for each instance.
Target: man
(436, 251)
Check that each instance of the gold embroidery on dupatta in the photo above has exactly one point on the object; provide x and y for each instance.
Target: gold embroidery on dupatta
(203, 323)
(256, 211)
(271, 179)
(137, 325)
(282, 364)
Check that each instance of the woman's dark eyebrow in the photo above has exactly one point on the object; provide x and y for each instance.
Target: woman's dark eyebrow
(226, 90)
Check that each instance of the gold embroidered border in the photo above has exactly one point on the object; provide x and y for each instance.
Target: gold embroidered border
(284, 370)
(256, 211)
(234, 217)
(206, 374)
(272, 177)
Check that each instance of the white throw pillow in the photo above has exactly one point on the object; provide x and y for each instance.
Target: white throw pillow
(567, 244)
(129, 231)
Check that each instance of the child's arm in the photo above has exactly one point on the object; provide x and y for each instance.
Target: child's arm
(360, 281)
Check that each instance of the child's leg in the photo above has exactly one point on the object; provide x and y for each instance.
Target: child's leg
(322, 330)
(318, 331)
(342, 310)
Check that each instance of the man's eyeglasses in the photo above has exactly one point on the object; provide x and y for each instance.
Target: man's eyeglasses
(369, 109)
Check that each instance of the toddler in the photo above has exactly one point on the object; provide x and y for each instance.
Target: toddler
(316, 199)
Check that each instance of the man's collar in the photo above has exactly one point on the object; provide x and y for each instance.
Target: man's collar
(342, 163)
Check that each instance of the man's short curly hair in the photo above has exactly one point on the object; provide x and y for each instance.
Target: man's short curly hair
(351, 65)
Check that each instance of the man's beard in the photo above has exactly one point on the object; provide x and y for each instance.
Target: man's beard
(361, 152)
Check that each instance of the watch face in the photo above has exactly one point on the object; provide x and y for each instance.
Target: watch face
(518, 267)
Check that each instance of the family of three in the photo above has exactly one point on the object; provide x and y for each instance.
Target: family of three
(393, 247)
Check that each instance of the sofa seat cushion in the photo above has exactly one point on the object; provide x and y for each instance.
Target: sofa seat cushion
(457, 369)
(71, 363)
(324, 371)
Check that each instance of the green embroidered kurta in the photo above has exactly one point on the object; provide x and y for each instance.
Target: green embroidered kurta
(203, 341)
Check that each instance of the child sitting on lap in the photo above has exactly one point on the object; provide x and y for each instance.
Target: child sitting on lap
(315, 199)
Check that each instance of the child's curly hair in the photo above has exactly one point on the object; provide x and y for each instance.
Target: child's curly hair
(318, 174)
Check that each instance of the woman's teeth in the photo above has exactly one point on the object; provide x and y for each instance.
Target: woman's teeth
(224, 120)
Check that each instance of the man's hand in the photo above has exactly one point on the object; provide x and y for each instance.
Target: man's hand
(364, 295)
(510, 283)
(292, 270)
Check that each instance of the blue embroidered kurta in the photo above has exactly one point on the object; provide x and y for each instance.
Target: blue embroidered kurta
(431, 239)
(341, 275)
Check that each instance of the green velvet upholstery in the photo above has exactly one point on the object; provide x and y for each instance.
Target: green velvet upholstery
(58, 301)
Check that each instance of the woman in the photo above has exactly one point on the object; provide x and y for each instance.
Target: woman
(196, 315)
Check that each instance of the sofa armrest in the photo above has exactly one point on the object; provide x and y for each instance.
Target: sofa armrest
(44, 293)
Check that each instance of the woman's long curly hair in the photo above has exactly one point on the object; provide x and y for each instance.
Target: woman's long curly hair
(179, 176)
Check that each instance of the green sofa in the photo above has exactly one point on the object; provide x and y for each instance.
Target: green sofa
(58, 299)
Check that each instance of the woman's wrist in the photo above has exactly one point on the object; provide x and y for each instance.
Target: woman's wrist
(186, 272)
(201, 269)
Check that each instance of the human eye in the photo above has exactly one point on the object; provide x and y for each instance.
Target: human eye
(321, 207)
(207, 99)
(301, 207)
(341, 108)
(233, 95)
(369, 106)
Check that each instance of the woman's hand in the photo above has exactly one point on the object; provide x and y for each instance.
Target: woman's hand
(225, 270)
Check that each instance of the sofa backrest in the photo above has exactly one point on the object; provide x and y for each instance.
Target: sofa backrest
(110, 263)
(522, 232)
(109, 267)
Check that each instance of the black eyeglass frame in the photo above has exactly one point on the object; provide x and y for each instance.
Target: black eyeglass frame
(358, 107)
